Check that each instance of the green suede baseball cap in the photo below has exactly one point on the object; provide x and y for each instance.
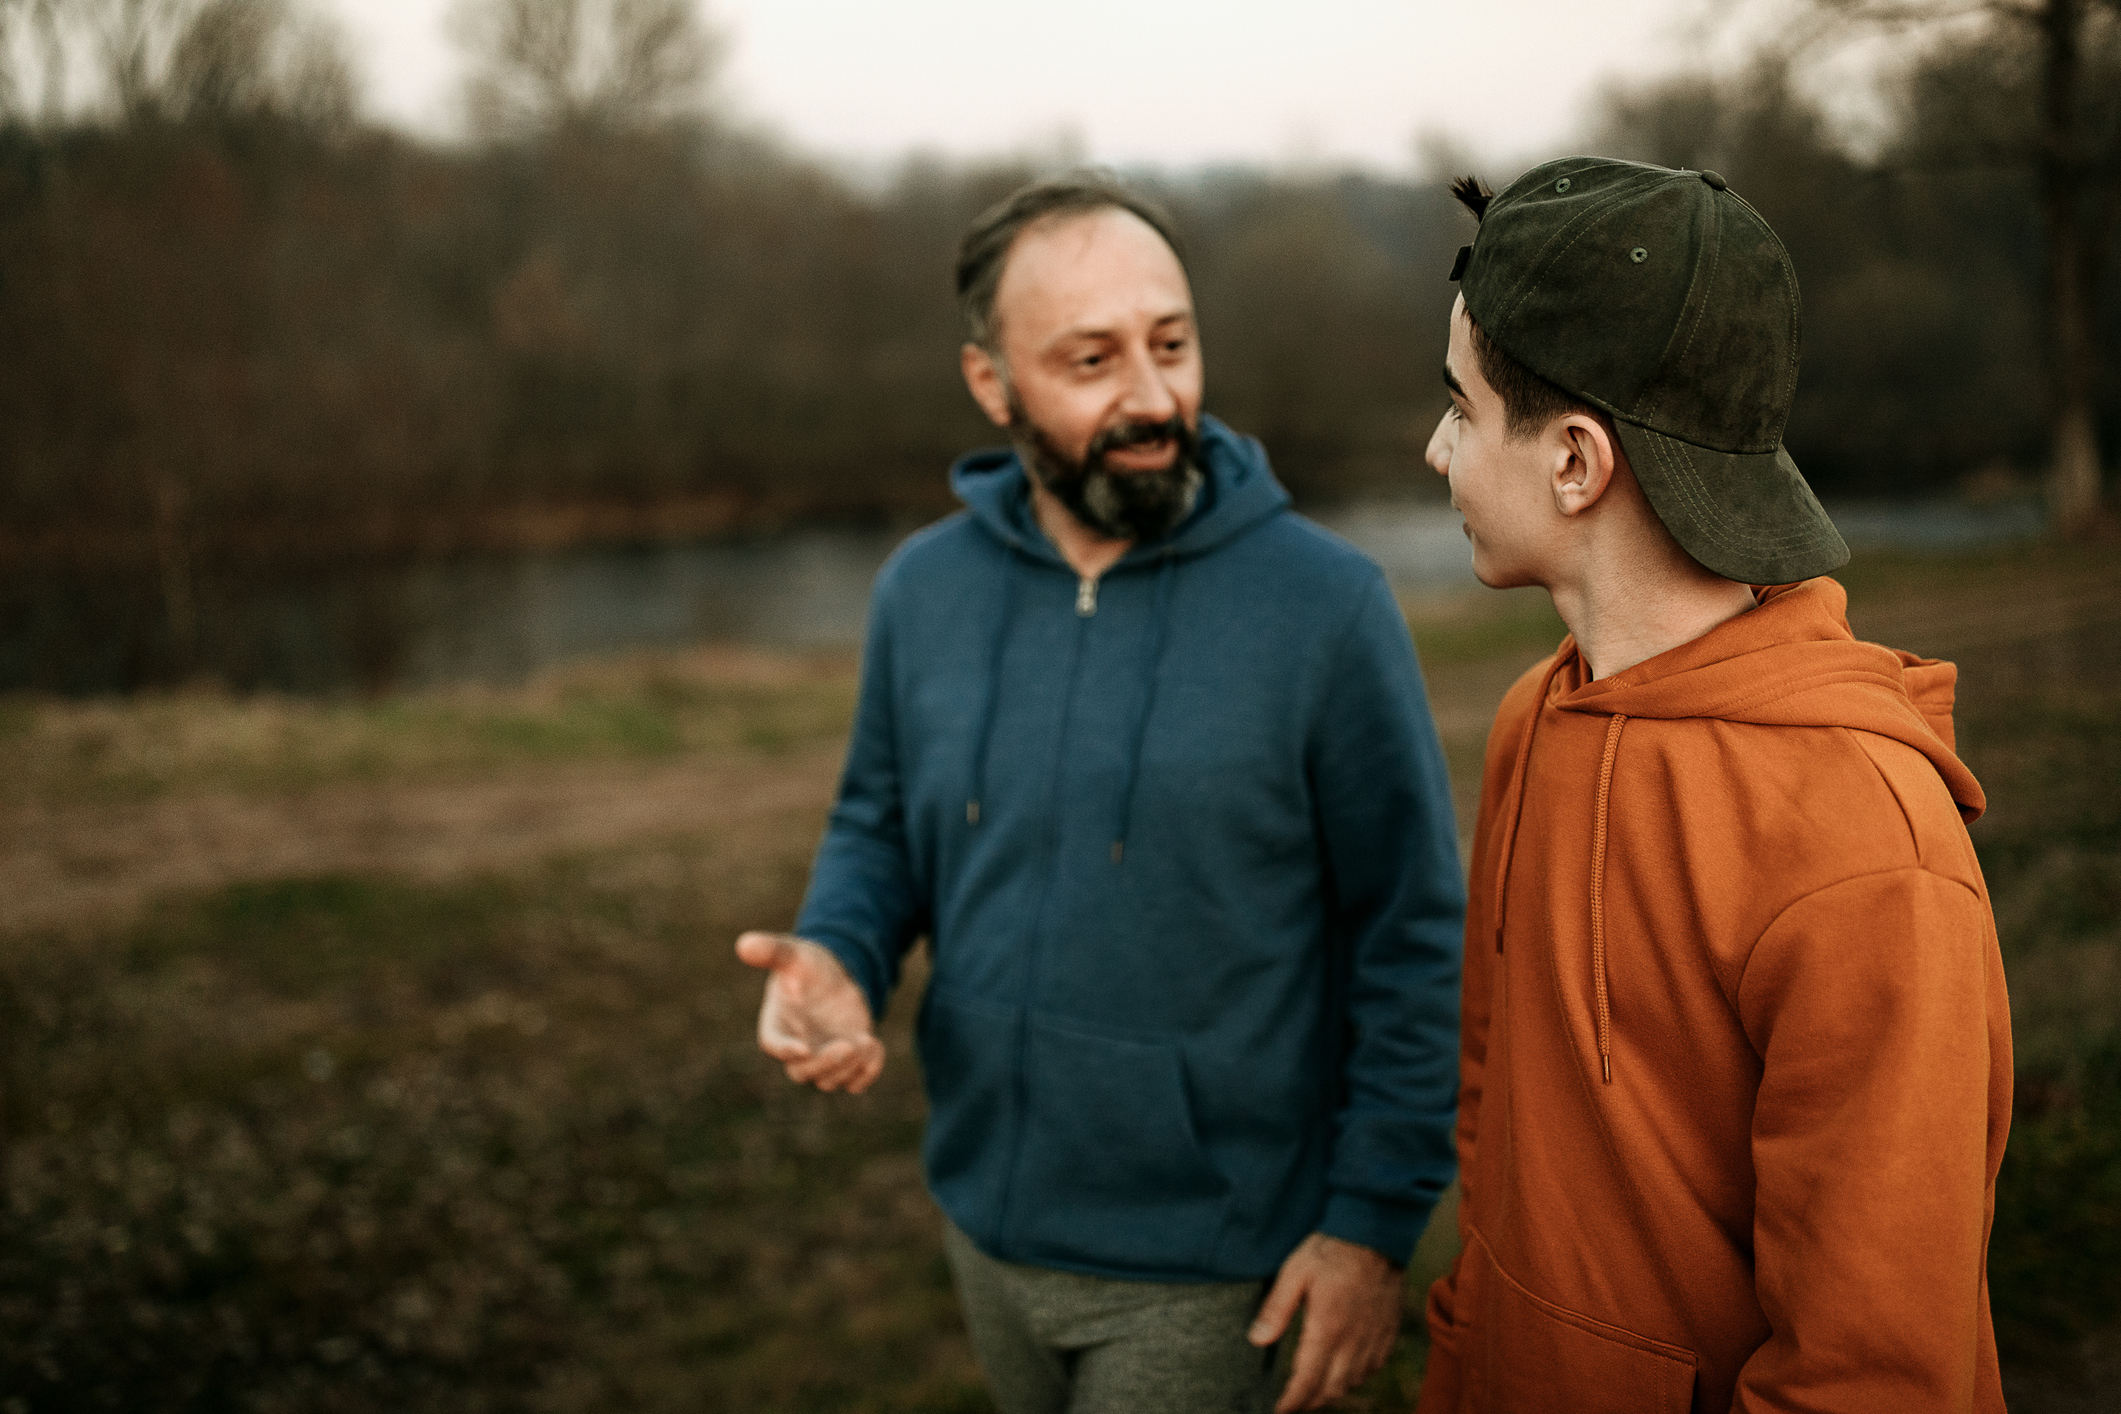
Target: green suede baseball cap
(1662, 298)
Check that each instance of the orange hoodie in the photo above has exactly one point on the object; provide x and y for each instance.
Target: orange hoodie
(1737, 1064)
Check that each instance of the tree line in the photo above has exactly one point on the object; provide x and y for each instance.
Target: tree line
(243, 325)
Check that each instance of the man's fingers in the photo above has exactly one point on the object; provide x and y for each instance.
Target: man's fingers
(1343, 1375)
(823, 1061)
(1307, 1374)
(1277, 1310)
(766, 950)
(871, 1066)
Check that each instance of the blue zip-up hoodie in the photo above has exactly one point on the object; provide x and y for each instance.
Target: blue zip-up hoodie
(1182, 843)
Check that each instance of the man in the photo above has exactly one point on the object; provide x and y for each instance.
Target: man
(1736, 1049)
(1147, 759)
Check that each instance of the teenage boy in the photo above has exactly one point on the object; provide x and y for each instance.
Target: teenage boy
(1736, 1050)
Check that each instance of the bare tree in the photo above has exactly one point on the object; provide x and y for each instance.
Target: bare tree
(216, 62)
(544, 65)
(31, 41)
(2073, 145)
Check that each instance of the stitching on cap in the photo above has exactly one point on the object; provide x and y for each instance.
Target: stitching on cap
(1540, 260)
(1719, 527)
(1665, 363)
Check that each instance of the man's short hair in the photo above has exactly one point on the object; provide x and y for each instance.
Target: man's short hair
(984, 251)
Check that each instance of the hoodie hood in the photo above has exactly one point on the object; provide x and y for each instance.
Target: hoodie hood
(1238, 492)
(1791, 662)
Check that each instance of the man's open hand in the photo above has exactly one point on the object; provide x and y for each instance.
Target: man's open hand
(813, 1019)
(1351, 1298)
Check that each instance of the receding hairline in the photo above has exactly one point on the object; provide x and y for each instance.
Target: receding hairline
(983, 249)
(1051, 225)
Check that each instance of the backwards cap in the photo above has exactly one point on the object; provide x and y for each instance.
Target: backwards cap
(1662, 298)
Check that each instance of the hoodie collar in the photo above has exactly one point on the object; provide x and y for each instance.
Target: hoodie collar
(1792, 661)
(1239, 492)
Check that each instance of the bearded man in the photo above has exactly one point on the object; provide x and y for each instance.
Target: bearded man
(1147, 758)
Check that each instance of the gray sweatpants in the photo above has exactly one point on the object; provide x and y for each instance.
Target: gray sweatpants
(1063, 1343)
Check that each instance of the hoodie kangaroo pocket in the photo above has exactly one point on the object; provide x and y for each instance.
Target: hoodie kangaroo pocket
(1111, 1174)
(968, 1057)
(1539, 1356)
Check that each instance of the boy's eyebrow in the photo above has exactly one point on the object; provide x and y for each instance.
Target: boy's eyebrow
(1453, 384)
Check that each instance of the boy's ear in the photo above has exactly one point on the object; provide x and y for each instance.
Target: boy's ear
(1585, 456)
(989, 386)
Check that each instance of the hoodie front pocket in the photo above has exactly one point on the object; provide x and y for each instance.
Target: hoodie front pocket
(1535, 1355)
(968, 1061)
(1111, 1174)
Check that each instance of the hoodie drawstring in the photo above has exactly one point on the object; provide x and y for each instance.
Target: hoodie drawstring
(1514, 802)
(994, 687)
(1152, 662)
(1598, 840)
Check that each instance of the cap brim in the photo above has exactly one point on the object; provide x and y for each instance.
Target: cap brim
(1746, 516)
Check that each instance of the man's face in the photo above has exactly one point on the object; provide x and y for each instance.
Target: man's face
(1100, 377)
(1498, 482)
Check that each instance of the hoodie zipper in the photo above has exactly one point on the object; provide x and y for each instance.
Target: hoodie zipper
(1086, 596)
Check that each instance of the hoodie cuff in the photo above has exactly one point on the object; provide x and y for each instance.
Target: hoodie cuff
(1389, 1229)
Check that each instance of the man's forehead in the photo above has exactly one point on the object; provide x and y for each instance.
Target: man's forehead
(1089, 266)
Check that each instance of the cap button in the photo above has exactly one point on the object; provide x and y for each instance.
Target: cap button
(1715, 179)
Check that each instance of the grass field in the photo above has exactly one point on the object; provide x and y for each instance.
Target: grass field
(390, 1056)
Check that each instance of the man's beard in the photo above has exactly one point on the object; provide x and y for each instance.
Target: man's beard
(1123, 505)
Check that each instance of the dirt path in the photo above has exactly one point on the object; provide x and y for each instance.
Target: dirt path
(65, 865)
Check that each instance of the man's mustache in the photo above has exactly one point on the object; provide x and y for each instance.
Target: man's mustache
(1135, 434)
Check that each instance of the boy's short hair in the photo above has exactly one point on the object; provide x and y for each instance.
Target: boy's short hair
(1529, 402)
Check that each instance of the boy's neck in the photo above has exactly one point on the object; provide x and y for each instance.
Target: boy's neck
(1631, 598)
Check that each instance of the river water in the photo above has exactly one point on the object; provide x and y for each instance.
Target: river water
(500, 619)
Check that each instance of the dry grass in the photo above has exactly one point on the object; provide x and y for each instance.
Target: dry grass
(390, 1055)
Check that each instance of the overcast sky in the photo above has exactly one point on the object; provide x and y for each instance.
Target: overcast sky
(1166, 82)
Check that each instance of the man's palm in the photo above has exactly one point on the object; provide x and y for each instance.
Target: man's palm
(813, 1019)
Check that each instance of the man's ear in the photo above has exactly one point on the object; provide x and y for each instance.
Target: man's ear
(1585, 456)
(990, 387)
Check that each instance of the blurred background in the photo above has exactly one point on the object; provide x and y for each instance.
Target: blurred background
(444, 448)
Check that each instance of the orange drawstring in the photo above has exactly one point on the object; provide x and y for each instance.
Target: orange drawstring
(1605, 791)
(1514, 802)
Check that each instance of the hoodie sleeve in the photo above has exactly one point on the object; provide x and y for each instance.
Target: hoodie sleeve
(1384, 807)
(1876, 1007)
(864, 903)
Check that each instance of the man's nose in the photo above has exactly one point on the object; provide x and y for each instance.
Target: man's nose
(1147, 396)
(1442, 442)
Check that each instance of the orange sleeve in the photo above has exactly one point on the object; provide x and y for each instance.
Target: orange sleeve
(1880, 1024)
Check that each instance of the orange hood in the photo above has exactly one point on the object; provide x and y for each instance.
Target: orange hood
(1793, 662)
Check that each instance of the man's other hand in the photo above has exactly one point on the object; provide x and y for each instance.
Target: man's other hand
(1351, 1298)
(813, 1019)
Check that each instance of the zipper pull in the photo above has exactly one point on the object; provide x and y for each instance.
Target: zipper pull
(1086, 596)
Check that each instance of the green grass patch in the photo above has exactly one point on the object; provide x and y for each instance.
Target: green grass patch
(57, 751)
(372, 1144)
(1470, 629)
